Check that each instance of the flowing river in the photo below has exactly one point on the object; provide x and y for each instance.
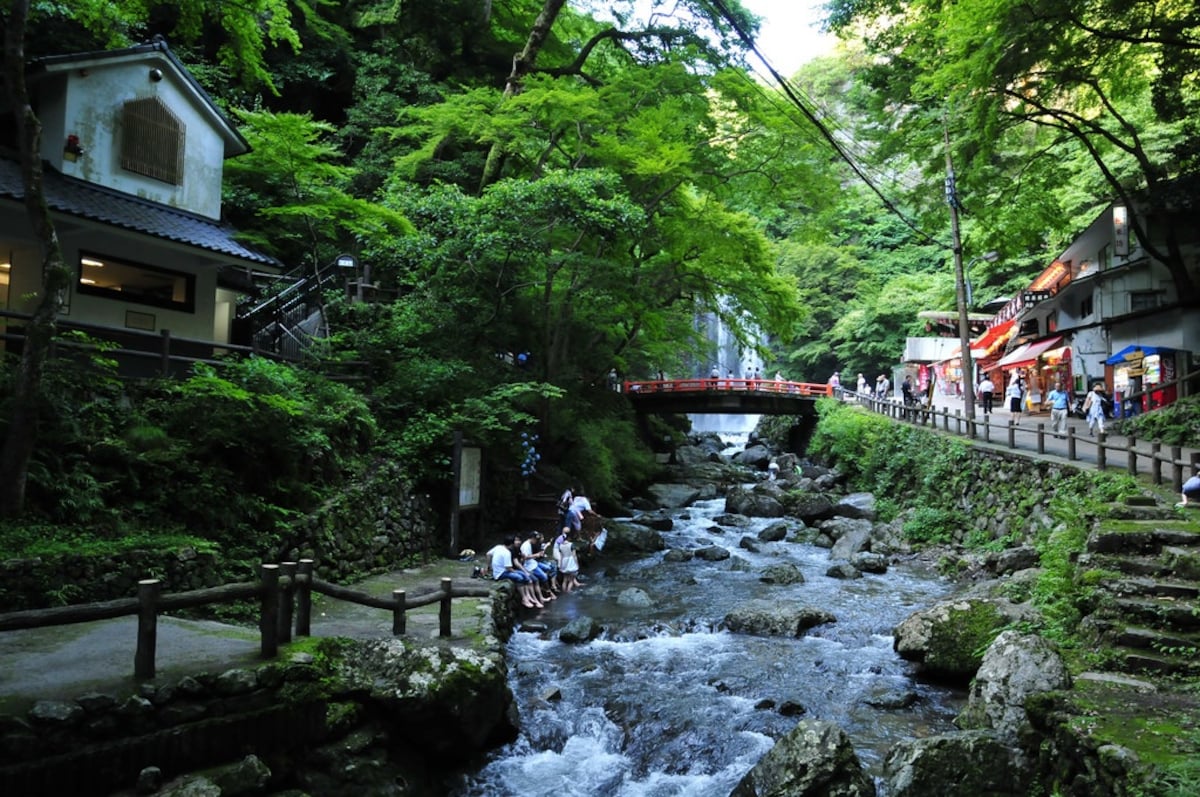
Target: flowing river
(665, 702)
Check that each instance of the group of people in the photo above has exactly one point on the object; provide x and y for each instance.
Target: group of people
(1095, 406)
(541, 570)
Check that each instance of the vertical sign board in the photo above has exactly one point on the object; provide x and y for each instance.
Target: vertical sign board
(466, 463)
(1120, 231)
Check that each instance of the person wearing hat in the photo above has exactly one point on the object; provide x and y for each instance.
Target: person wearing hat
(1093, 409)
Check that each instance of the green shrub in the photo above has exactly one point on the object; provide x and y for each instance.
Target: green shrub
(932, 526)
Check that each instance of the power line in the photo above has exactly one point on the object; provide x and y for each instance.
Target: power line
(813, 119)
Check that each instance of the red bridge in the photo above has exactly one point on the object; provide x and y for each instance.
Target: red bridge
(726, 396)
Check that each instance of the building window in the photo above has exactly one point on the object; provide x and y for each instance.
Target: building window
(1085, 307)
(152, 140)
(1104, 258)
(100, 275)
(1143, 300)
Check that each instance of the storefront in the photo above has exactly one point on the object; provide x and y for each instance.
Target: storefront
(1039, 365)
(1146, 374)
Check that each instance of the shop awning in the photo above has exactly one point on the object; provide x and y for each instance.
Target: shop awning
(1130, 353)
(1028, 354)
(1056, 356)
(994, 338)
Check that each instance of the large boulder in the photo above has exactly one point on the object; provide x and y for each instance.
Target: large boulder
(782, 574)
(856, 505)
(694, 455)
(446, 700)
(815, 759)
(967, 762)
(770, 618)
(755, 456)
(850, 536)
(751, 503)
(624, 538)
(1014, 667)
(673, 496)
(948, 638)
(810, 507)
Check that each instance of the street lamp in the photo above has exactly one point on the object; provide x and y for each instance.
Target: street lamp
(990, 257)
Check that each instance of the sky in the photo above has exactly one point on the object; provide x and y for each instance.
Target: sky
(789, 35)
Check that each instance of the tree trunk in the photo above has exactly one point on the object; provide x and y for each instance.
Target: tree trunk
(21, 435)
(522, 63)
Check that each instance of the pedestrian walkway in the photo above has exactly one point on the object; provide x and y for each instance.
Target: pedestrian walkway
(65, 662)
(1025, 438)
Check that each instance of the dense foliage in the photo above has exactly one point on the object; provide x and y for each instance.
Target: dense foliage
(531, 224)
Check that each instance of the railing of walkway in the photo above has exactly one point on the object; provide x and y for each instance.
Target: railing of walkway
(285, 594)
(1127, 453)
(727, 384)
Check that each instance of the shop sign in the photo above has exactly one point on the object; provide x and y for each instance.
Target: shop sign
(1120, 231)
(1033, 297)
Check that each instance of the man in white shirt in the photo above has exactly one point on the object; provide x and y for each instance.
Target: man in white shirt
(987, 389)
(501, 561)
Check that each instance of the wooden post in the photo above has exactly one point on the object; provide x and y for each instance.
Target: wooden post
(166, 352)
(1177, 468)
(268, 622)
(945, 420)
(987, 428)
(399, 618)
(1012, 434)
(1071, 443)
(444, 611)
(1101, 451)
(1156, 462)
(287, 602)
(147, 631)
(1041, 438)
(304, 598)
(958, 419)
(1131, 453)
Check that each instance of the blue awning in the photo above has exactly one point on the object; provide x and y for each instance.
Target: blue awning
(1132, 353)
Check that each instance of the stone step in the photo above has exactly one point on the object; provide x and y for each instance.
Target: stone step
(1174, 644)
(1140, 540)
(1161, 613)
(1138, 661)
(1152, 587)
(1184, 562)
(1152, 565)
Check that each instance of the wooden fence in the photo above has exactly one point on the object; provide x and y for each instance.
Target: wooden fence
(284, 592)
(1125, 455)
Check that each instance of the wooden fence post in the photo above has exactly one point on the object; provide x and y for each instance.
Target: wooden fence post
(147, 632)
(1156, 462)
(1177, 468)
(444, 611)
(399, 618)
(304, 598)
(1071, 443)
(1101, 451)
(987, 429)
(1012, 433)
(166, 352)
(945, 420)
(1131, 454)
(268, 623)
(1041, 438)
(287, 602)
(958, 418)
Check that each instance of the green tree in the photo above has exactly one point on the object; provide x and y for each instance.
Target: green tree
(248, 28)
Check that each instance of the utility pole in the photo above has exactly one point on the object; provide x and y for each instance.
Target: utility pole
(964, 330)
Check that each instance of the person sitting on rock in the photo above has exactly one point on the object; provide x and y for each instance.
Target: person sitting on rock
(500, 559)
(1191, 490)
(532, 553)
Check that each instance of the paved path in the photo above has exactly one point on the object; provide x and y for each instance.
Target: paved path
(64, 662)
(1025, 439)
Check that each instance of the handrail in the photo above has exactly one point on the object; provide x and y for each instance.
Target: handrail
(1154, 458)
(285, 592)
(710, 384)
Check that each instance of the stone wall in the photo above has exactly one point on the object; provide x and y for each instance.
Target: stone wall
(375, 525)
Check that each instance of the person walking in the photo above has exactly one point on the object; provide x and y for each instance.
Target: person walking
(1014, 394)
(1059, 400)
(862, 386)
(882, 387)
(987, 388)
(1093, 409)
(835, 383)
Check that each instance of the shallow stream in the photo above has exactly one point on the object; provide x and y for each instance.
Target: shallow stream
(665, 702)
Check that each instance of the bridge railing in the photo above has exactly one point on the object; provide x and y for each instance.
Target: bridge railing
(727, 385)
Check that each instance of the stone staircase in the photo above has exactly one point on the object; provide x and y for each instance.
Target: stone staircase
(1146, 610)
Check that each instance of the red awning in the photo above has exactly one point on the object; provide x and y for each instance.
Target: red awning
(992, 339)
(1028, 354)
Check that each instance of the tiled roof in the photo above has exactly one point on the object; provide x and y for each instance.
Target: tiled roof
(96, 203)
